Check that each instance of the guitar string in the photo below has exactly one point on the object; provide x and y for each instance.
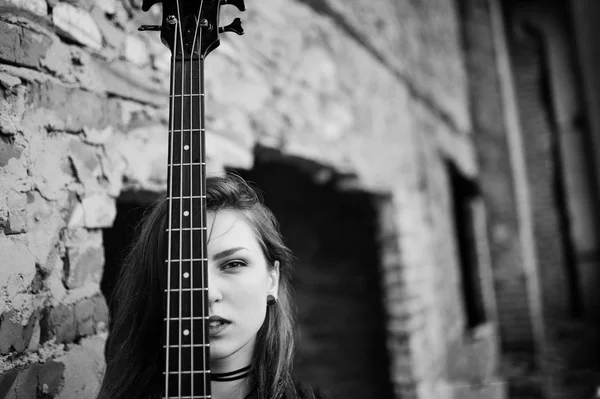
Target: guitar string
(204, 249)
(180, 32)
(202, 189)
(202, 222)
(169, 235)
(188, 70)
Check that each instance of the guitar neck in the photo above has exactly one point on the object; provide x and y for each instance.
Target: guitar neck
(186, 349)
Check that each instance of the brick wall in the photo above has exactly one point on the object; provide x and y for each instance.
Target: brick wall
(83, 125)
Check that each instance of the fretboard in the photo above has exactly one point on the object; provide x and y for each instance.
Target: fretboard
(186, 346)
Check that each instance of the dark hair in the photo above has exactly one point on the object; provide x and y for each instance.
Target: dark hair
(133, 353)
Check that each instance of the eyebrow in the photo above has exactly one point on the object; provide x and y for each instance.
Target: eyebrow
(228, 252)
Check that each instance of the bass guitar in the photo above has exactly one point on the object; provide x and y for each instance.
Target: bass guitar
(190, 29)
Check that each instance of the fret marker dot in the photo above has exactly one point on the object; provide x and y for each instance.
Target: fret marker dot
(186, 147)
(186, 213)
(186, 332)
(186, 275)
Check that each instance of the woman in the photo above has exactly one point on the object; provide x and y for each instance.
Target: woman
(251, 326)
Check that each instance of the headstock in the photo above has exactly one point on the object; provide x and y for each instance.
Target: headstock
(191, 27)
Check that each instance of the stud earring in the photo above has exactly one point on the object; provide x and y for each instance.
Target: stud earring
(271, 300)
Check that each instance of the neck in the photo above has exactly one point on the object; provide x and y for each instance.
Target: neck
(240, 358)
(186, 295)
(238, 389)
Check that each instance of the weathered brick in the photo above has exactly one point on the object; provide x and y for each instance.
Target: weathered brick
(107, 6)
(29, 382)
(59, 323)
(84, 317)
(12, 109)
(50, 378)
(38, 7)
(83, 266)
(17, 220)
(8, 151)
(51, 107)
(496, 389)
(21, 45)
(44, 222)
(99, 211)
(17, 268)
(135, 50)
(14, 336)
(11, 335)
(9, 81)
(19, 383)
(100, 312)
(474, 359)
(77, 24)
(83, 369)
(86, 163)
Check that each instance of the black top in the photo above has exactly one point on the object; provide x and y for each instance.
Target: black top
(303, 391)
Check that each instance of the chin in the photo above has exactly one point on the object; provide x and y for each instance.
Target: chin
(220, 350)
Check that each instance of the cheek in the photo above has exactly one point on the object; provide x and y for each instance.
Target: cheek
(251, 300)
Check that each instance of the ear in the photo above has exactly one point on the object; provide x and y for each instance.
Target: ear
(274, 279)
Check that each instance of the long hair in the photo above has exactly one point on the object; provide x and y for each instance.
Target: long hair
(133, 348)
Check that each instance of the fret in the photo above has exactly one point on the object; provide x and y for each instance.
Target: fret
(188, 229)
(187, 164)
(188, 372)
(192, 130)
(186, 95)
(188, 397)
(186, 289)
(187, 346)
(188, 197)
(187, 318)
(187, 260)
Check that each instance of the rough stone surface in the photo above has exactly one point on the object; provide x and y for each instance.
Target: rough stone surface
(84, 258)
(58, 323)
(98, 211)
(14, 336)
(84, 120)
(17, 270)
(135, 51)
(77, 24)
(38, 7)
(83, 369)
(435, 71)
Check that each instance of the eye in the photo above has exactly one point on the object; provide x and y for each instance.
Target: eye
(234, 264)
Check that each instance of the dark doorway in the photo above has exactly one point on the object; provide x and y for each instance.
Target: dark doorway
(117, 241)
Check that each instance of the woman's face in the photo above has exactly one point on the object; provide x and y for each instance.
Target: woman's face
(239, 281)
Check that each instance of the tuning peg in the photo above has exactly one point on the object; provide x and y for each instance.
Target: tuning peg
(235, 26)
(149, 27)
(237, 3)
(149, 3)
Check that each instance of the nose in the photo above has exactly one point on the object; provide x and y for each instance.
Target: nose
(214, 290)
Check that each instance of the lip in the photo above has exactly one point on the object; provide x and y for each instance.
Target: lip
(215, 331)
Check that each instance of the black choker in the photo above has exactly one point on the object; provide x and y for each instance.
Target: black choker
(232, 375)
